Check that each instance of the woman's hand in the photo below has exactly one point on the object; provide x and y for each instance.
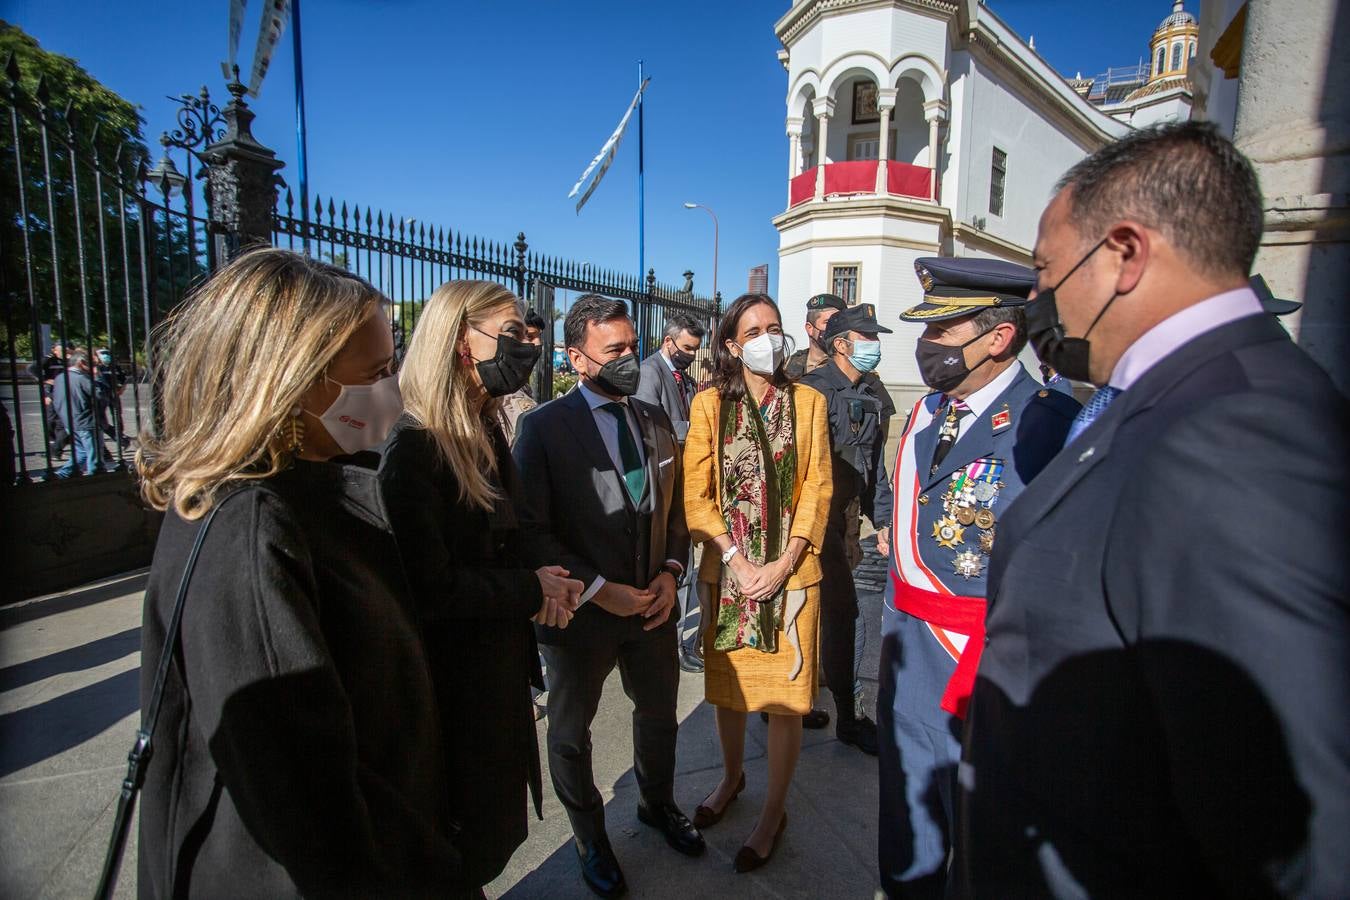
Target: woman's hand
(760, 583)
(561, 595)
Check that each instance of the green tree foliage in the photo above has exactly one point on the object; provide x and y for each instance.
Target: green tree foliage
(93, 150)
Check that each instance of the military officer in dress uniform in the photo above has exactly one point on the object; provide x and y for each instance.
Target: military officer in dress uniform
(858, 443)
(966, 452)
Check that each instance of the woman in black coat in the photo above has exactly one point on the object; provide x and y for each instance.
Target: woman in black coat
(298, 748)
(450, 486)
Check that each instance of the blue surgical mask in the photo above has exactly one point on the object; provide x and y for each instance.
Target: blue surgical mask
(105, 358)
(865, 355)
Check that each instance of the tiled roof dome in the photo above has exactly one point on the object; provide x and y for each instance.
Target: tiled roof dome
(1179, 16)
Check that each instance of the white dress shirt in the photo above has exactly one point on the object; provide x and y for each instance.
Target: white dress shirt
(980, 401)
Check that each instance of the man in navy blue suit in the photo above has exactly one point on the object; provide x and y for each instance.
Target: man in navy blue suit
(1161, 704)
(967, 450)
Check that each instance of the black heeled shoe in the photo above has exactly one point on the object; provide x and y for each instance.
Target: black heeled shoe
(705, 816)
(747, 860)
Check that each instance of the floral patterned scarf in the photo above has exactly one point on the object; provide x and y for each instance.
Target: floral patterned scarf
(759, 471)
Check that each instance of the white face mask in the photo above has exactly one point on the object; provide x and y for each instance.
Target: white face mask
(363, 414)
(764, 354)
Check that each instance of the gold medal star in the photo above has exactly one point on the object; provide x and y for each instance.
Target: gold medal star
(948, 532)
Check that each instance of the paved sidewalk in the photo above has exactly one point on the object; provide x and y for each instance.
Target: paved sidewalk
(68, 713)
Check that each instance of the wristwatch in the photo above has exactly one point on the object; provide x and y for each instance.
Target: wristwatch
(673, 570)
(731, 551)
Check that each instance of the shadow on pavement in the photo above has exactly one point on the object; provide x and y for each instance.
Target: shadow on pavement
(39, 732)
(75, 659)
(18, 613)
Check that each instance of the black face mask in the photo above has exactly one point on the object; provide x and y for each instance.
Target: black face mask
(509, 369)
(1068, 356)
(681, 359)
(943, 366)
(618, 376)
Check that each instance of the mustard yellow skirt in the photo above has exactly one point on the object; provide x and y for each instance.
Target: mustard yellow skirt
(749, 680)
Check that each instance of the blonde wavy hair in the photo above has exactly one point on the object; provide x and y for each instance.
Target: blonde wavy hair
(234, 361)
(437, 383)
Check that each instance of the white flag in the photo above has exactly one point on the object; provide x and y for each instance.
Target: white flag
(236, 26)
(273, 23)
(606, 154)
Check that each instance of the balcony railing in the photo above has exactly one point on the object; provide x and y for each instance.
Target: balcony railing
(860, 177)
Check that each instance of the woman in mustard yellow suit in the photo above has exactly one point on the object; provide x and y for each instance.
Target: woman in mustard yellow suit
(756, 494)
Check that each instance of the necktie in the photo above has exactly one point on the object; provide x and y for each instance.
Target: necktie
(1096, 405)
(634, 476)
(682, 382)
(951, 430)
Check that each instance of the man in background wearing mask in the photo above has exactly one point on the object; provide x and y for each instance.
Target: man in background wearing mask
(517, 403)
(967, 451)
(667, 383)
(601, 477)
(858, 443)
(1161, 707)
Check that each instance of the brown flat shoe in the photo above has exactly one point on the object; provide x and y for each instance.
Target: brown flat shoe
(748, 860)
(705, 816)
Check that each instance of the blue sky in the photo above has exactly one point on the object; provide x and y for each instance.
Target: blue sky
(480, 115)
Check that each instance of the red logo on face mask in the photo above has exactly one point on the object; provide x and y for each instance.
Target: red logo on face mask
(354, 423)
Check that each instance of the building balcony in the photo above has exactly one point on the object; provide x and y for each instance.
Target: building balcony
(860, 177)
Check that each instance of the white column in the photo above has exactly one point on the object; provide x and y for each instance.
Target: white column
(823, 107)
(936, 113)
(1295, 140)
(885, 103)
(794, 133)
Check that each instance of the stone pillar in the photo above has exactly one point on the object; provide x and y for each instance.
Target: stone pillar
(1293, 123)
(242, 180)
(794, 133)
(823, 107)
(885, 104)
(935, 111)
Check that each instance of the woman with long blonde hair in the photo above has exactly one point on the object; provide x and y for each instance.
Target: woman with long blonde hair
(298, 742)
(452, 493)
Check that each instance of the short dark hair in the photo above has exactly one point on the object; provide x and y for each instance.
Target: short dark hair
(682, 322)
(728, 377)
(813, 316)
(1184, 179)
(986, 319)
(534, 320)
(590, 309)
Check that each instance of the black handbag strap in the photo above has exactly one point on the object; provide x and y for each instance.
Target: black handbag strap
(139, 757)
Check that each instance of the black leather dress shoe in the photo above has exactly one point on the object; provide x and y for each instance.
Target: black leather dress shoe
(816, 719)
(679, 832)
(861, 732)
(690, 660)
(599, 869)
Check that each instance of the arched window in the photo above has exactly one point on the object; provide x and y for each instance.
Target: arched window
(1158, 64)
(1176, 56)
(1192, 53)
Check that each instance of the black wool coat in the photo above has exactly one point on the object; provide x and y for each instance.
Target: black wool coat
(475, 598)
(298, 746)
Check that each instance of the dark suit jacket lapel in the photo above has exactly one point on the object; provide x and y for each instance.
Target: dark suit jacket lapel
(587, 432)
(649, 446)
(977, 435)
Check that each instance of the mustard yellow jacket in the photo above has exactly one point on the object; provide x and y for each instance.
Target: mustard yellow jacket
(810, 495)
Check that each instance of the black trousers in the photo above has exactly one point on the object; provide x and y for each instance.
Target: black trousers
(838, 618)
(649, 665)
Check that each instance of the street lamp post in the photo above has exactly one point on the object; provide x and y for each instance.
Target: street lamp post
(715, 238)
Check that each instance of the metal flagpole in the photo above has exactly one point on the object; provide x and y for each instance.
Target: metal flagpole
(302, 169)
(642, 221)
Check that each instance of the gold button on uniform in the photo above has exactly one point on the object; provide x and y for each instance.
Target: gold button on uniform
(923, 499)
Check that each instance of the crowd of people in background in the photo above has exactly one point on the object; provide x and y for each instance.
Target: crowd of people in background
(1115, 643)
(82, 407)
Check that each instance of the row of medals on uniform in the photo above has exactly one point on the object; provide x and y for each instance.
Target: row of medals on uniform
(969, 501)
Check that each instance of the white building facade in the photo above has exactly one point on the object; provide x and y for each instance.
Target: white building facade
(927, 128)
